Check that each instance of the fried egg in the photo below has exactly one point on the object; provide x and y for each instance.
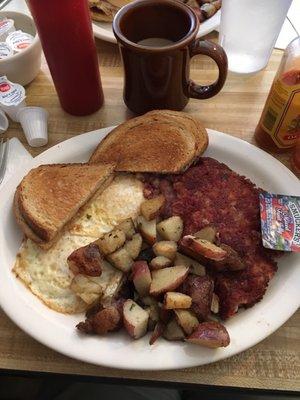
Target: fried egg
(46, 272)
(120, 200)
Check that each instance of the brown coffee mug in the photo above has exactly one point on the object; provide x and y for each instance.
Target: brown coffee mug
(157, 40)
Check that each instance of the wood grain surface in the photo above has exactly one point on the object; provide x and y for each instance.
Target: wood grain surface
(272, 364)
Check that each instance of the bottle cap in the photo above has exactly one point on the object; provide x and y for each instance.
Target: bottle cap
(7, 26)
(5, 50)
(3, 122)
(12, 97)
(34, 123)
(19, 40)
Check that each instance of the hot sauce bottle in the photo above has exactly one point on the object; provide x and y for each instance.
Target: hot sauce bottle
(65, 30)
(279, 125)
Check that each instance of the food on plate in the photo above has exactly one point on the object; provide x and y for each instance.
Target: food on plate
(173, 331)
(211, 194)
(105, 10)
(135, 319)
(46, 272)
(204, 9)
(147, 229)
(134, 245)
(86, 260)
(187, 320)
(151, 208)
(154, 142)
(141, 277)
(171, 228)
(202, 248)
(173, 300)
(210, 334)
(167, 279)
(165, 248)
(166, 253)
(49, 196)
(200, 289)
(160, 262)
(111, 241)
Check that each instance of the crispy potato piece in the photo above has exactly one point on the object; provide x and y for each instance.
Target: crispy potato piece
(134, 246)
(208, 233)
(147, 229)
(121, 260)
(151, 208)
(195, 267)
(86, 260)
(141, 277)
(173, 300)
(171, 228)
(200, 289)
(187, 320)
(111, 241)
(153, 311)
(127, 226)
(135, 319)
(173, 331)
(167, 279)
(88, 288)
(166, 248)
(214, 307)
(160, 262)
(193, 246)
(233, 261)
(105, 320)
(158, 331)
(210, 334)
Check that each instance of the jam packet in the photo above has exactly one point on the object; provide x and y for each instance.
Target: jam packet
(280, 221)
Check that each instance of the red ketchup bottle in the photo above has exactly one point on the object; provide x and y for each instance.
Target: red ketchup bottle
(65, 30)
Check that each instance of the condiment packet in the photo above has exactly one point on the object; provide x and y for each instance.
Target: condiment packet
(12, 97)
(280, 221)
(5, 50)
(7, 26)
(19, 40)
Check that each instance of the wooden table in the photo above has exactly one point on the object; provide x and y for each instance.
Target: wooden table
(273, 364)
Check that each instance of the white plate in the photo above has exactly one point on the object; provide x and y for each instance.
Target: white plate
(58, 332)
(103, 30)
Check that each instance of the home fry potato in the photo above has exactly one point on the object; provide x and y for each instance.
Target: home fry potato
(173, 300)
(187, 320)
(208, 233)
(200, 289)
(141, 277)
(127, 226)
(173, 331)
(200, 247)
(134, 245)
(160, 262)
(195, 267)
(167, 279)
(86, 260)
(135, 319)
(121, 259)
(150, 208)
(210, 334)
(111, 241)
(147, 229)
(88, 288)
(166, 248)
(171, 228)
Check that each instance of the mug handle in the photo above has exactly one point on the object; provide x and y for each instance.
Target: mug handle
(218, 54)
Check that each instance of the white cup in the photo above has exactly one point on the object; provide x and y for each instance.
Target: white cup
(34, 123)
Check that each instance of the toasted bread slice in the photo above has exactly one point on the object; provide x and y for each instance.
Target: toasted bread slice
(148, 144)
(191, 123)
(49, 196)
